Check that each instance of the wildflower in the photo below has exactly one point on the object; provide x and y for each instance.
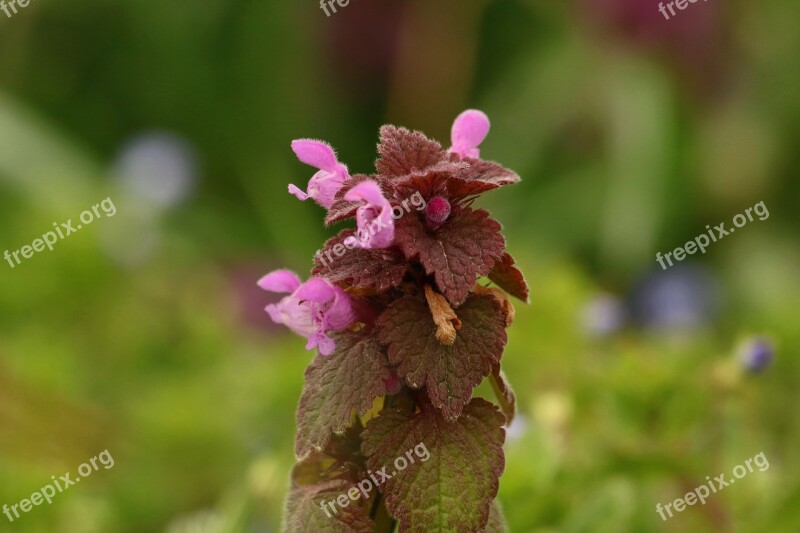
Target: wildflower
(756, 354)
(311, 310)
(323, 186)
(427, 334)
(374, 217)
(469, 130)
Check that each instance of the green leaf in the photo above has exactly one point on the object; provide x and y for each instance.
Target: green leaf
(347, 380)
(497, 521)
(306, 512)
(450, 373)
(450, 491)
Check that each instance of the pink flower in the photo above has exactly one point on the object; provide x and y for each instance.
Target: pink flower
(374, 217)
(469, 130)
(324, 185)
(311, 310)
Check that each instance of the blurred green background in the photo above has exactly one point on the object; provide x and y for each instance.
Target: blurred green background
(144, 333)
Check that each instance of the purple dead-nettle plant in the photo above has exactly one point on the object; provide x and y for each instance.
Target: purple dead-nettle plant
(405, 331)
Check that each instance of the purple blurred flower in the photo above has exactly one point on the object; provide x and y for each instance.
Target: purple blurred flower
(324, 185)
(756, 354)
(311, 310)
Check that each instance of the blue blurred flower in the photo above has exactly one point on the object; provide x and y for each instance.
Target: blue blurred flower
(684, 297)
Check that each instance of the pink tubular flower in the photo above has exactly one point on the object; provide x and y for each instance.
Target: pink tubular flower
(324, 185)
(469, 130)
(374, 217)
(311, 310)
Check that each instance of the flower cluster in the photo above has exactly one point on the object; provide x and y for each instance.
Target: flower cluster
(401, 319)
(317, 307)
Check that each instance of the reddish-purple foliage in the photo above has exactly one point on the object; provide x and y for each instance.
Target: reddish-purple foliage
(405, 333)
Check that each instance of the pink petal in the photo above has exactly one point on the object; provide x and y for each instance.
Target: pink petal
(294, 315)
(341, 313)
(326, 345)
(318, 154)
(280, 281)
(374, 218)
(274, 313)
(293, 189)
(381, 229)
(316, 290)
(367, 191)
(324, 185)
(469, 130)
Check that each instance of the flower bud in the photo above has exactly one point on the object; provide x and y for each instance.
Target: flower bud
(437, 211)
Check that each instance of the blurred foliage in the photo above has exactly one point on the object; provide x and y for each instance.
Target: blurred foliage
(143, 333)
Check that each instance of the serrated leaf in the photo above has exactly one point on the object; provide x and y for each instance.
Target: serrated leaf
(488, 172)
(465, 247)
(373, 270)
(509, 278)
(453, 489)
(349, 379)
(441, 183)
(405, 152)
(471, 178)
(304, 511)
(505, 395)
(456, 180)
(449, 373)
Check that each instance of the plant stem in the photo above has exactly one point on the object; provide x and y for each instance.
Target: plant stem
(383, 522)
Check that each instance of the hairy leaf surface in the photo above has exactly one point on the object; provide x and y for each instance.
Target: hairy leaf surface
(348, 379)
(509, 278)
(465, 247)
(405, 152)
(304, 512)
(449, 373)
(367, 270)
(452, 490)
